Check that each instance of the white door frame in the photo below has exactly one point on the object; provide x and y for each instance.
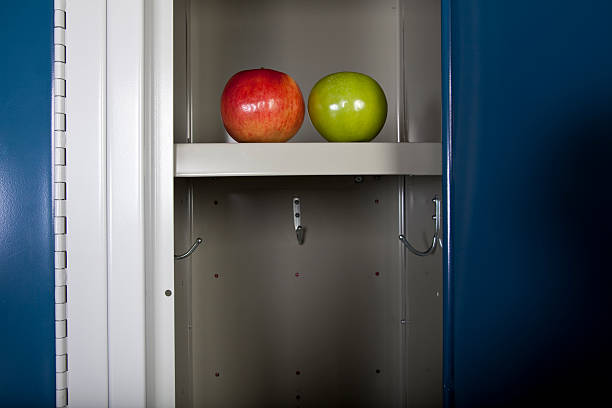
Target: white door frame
(159, 196)
(120, 207)
(86, 233)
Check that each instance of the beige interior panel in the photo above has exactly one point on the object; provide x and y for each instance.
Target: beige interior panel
(423, 297)
(182, 293)
(265, 307)
(305, 39)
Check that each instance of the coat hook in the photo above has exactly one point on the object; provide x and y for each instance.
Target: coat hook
(436, 240)
(300, 231)
(190, 251)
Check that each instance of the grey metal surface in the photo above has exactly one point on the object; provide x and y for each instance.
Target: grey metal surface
(421, 104)
(265, 307)
(180, 95)
(182, 294)
(305, 39)
(423, 302)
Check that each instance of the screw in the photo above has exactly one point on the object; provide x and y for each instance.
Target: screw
(297, 215)
(403, 321)
(296, 202)
(358, 179)
(168, 292)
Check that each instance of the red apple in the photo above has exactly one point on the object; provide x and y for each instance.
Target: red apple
(262, 105)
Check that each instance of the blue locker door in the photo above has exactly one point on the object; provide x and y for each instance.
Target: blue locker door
(528, 119)
(27, 362)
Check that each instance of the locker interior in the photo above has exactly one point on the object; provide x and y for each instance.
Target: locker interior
(349, 318)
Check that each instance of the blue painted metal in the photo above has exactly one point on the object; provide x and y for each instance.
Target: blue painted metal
(528, 137)
(447, 305)
(27, 372)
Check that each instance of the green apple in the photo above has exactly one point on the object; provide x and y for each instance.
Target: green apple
(347, 107)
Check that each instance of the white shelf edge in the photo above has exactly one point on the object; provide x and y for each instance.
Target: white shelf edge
(306, 159)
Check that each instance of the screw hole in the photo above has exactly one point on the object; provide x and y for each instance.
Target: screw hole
(216, 202)
(377, 371)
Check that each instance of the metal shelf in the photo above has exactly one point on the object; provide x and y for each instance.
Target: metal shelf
(303, 159)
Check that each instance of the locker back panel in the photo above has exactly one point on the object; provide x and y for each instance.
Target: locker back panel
(395, 41)
(276, 323)
(305, 39)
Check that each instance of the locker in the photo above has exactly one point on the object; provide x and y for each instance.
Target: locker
(183, 273)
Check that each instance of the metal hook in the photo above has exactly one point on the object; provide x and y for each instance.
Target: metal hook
(190, 251)
(300, 231)
(436, 240)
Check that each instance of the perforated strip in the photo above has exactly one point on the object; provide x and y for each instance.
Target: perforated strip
(59, 201)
